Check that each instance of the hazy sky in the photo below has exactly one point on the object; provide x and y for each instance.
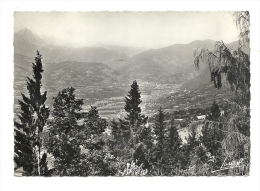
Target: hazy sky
(139, 29)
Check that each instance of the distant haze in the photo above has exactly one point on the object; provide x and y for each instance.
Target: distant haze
(136, 29)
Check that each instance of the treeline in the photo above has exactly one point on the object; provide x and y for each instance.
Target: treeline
(81, 143)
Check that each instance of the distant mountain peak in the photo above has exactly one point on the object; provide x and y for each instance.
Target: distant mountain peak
(28, 35)
(24, 31)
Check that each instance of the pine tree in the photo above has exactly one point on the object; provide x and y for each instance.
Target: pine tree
(159, 129)
(134, 118)
(28, 132)
(132, 107)
(63, 142)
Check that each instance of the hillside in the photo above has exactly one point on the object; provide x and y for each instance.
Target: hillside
(90, 79)
(198, 92)
(173, 64)
(124, 50)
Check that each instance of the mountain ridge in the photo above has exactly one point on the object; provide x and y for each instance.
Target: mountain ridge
(26, 43)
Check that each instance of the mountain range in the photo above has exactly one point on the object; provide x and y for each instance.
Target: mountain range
(166, 65)
(171, 64)
(105, 70)
(26, 43)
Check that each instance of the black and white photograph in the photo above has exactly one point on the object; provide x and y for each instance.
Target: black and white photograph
(129, 96)
(132, 93)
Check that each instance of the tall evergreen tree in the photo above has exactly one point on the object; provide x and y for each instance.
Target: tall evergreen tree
(132, 107)
(159, 129)
(28, 132)
(63, 143)
(134, 119)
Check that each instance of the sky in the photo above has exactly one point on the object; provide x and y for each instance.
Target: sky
(136, 29)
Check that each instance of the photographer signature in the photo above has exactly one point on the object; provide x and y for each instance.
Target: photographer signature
(228, 165)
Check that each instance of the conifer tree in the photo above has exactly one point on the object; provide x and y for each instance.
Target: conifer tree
(28, 132)
(63, 143)
(159, 129)
(134, 118)
(132, 106)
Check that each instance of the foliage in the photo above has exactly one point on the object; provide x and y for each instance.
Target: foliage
(212, 137)
(132, 107)
(133, 170)
(229, 138)
(159, 129)
(143, 152)
(173, 143)
(242, 19)
(201, 162)
(93, 128)
(62, 142)
(128, 133)
(28, 132)
(234, 64)
(215, 112)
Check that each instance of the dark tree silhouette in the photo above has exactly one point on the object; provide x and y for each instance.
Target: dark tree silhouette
(132, 107)
(62, 142)
(159, 129)
(28, 132)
